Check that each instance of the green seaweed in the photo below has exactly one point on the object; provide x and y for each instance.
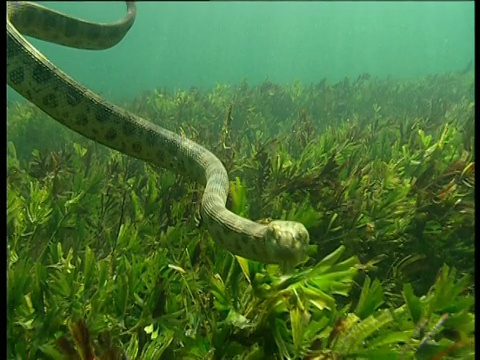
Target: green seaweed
(107, 257)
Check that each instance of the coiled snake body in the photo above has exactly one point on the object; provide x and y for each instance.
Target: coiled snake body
(65, 100)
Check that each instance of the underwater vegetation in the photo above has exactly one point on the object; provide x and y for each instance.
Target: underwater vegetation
(107, 258)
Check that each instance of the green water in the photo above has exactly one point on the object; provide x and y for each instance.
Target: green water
(179, 45)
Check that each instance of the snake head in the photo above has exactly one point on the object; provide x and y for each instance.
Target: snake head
(289, 242)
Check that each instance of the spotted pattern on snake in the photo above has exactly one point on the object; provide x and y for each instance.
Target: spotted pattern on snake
(38, 80)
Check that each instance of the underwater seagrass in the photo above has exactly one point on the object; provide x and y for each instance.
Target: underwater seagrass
(61, 97)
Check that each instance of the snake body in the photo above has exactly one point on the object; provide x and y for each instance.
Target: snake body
(42, 83)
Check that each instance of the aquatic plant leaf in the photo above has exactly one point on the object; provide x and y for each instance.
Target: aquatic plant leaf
(447, 290)
(377, 354)
(460, 323)
(121, 294)
(332, 258)
(371, 298)
(299, 320)
(217, 288)
(239, 197)
(237, 320)
(83, 341)
(279, 330)
(132, 348)
(245, 266)
(350, 341)
(80, 150)
(89, 264)
(157, 346)
(305, 214)
(54, 354)
(395, 337)
(413, 303)
(18, 283)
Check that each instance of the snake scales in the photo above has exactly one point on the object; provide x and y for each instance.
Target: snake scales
(65, 100)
